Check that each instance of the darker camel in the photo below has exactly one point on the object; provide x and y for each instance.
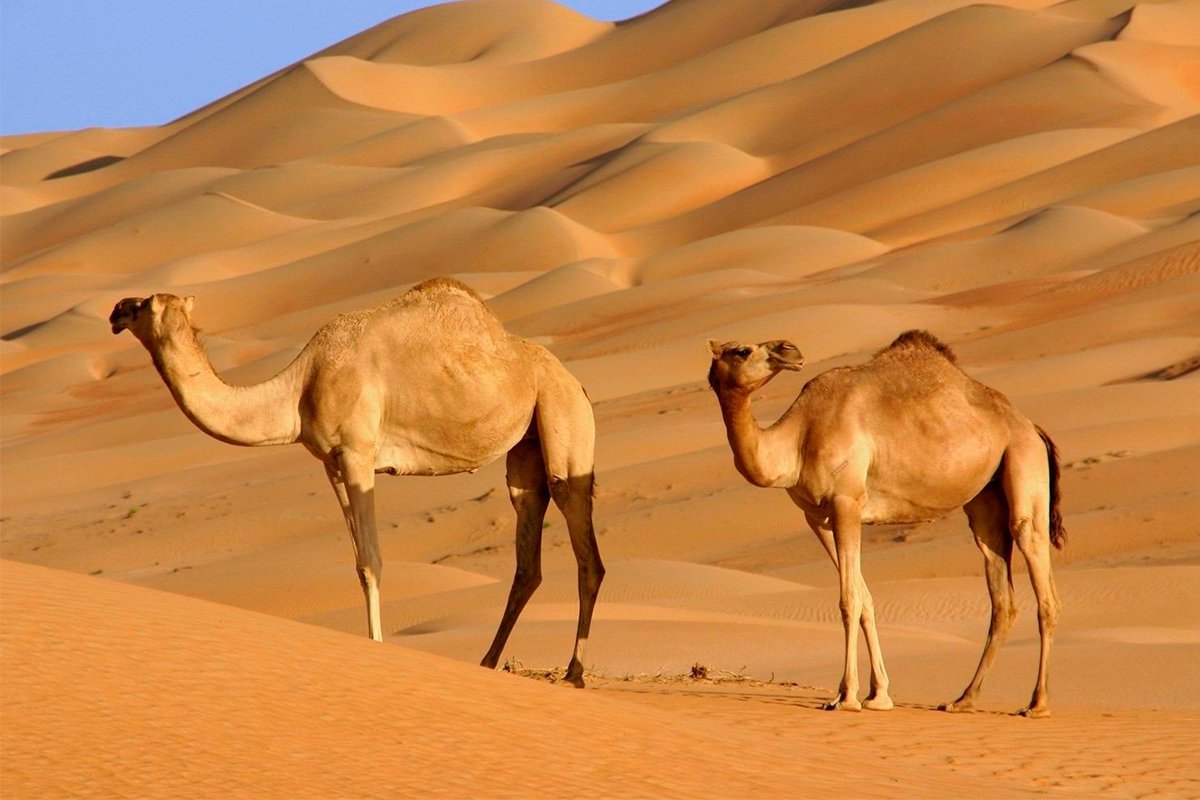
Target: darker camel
(906, 437)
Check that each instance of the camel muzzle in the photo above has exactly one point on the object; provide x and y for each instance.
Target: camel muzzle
(785, 355)
(123, 312)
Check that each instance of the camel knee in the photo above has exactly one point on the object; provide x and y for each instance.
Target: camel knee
(866, 612)
(1021, 529)
(560, 490)
(368, 575)
(532, 497)
(575, 491)
(851, 608)
(1048, 609)
(526, 581)
(593, 571)
(1003, 617)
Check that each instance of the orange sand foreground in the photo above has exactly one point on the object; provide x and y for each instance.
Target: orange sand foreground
(181, 617)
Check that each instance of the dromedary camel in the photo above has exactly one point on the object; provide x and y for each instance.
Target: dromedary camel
(906, 437)
(428, 384)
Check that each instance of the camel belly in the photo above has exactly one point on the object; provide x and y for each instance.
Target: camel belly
(407, 460)
(435, 445)
(925, 492)
(885, 510)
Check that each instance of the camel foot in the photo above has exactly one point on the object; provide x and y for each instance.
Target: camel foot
(1034, 712)
(878, 703)
(574, 680)
(488, 662)
(838, 704)
(959, 706)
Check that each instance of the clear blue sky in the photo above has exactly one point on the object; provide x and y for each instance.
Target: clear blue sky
(69, 64)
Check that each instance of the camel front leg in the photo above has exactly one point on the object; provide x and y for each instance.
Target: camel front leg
(847, 539)
(879, 699)
(530, 496)
(353, 481)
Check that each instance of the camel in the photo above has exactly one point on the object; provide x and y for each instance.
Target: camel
(428, 384)
(906, 437)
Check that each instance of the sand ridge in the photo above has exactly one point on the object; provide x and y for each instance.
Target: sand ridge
(1017, 177)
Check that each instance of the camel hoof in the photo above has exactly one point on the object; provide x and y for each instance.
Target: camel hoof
(838, 704)
(878, 703)
(574, 680)
(1034, 712)
(958, 707)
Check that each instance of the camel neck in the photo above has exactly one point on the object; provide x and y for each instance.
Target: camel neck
(746, 439)
(263, 414)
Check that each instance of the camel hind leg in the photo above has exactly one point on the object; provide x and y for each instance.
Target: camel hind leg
(1026, 482)
(573, 496)
(567, 432)
(530, 496)
(987, 513)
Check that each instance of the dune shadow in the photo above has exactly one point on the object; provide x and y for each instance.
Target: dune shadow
(91, 165)
(19, 332)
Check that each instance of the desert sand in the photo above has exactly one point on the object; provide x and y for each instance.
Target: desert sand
(181, 617)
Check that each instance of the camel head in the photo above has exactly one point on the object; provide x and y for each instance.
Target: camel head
(748, 367)
(153, 318)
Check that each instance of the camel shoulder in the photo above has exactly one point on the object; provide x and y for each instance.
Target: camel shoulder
(338, 337)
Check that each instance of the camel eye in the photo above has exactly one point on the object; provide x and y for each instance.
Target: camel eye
(742, 352)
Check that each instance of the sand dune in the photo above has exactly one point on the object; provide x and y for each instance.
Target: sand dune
(202, 699)
(1019, 177)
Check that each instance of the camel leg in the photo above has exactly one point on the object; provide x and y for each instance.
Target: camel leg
(1026, 483)
(988, 516)
(530, 496)
(567, 431)
(878, 699)
(573, 496)
(353, 480)
(847, 538)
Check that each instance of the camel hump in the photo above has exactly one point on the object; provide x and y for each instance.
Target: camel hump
(921, 340)
(446, 298)
(440, 285)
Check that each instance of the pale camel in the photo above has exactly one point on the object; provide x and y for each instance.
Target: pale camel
(428, 384)
(906, 437)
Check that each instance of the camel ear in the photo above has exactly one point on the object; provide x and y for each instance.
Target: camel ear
(715, 348)
(189, 303)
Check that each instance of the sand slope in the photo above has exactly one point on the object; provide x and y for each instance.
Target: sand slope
(1018, 177)
(117, 691)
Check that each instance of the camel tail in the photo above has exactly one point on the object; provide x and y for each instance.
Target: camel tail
(1058, 534)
